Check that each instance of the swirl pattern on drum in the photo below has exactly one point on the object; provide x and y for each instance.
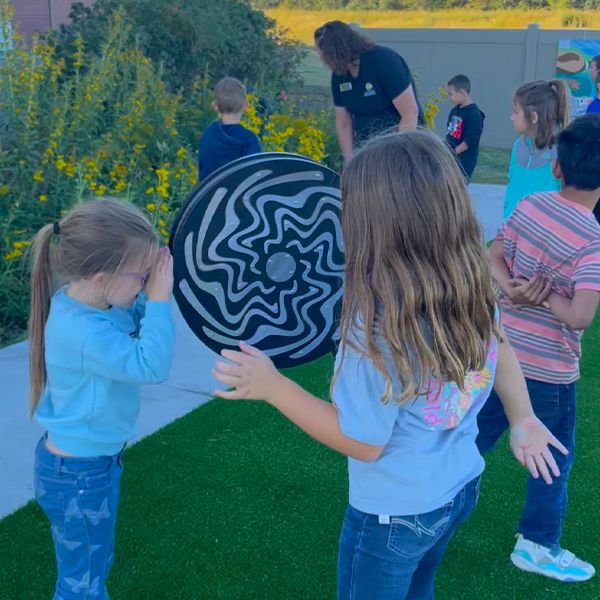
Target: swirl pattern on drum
(259, 257)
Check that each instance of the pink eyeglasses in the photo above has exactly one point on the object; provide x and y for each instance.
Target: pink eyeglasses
(141, 277)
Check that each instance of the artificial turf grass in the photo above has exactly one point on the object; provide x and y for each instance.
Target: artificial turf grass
(233, 502)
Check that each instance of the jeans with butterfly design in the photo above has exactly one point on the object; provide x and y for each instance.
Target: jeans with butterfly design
(79, 496)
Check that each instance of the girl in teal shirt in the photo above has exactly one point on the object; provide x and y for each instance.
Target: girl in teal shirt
(540, 111)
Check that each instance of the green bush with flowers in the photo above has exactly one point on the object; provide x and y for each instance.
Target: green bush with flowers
(108, 125)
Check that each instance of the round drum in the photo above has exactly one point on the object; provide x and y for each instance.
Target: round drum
(258, 257)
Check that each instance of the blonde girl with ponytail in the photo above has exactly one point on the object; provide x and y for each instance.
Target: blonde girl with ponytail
(99, 327)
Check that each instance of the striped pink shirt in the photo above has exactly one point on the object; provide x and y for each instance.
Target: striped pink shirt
(552, 236)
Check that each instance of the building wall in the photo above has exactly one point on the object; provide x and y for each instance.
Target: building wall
(496, 60)
(61, 9)
(33, 16)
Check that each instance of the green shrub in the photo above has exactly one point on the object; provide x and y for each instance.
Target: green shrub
(81, 124)
(191, 39)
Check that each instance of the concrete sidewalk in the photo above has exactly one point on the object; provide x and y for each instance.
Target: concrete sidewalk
(189, 385)
(488, 202)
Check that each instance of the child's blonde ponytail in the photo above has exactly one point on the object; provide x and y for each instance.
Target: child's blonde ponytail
(41, 292)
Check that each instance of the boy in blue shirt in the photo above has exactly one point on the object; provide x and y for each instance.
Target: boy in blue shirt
(225, 139)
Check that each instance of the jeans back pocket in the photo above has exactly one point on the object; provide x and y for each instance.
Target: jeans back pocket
(413, 535)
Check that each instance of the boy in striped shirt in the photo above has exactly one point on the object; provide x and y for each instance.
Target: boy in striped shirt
(546, 261)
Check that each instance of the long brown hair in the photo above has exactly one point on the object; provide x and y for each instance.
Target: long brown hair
(341, 45)
(94, 237)
(550, 101)
(416, 273)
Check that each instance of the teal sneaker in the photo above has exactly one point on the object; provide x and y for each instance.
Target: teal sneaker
(562, 565)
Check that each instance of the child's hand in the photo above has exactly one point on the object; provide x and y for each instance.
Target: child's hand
(529, 441)
(253, 376)
(529, 293)
(160, 281)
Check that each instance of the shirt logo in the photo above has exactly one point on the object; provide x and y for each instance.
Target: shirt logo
(455, 128)
(369, 91)
(345, 87)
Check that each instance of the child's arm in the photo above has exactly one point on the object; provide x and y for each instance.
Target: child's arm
(138, 308)
(529, 437)
(518, 291)
(462, 147)
(114, 354)
(473, 127)
(579, 311)
(254, 376)
(576, 313)
(500, 271)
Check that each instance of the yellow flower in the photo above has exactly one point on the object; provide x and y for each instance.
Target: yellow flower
(12, 255)
(100, 190)
(180, 152)
(161, 222)
(164, 207)
(151, 206)
(60, 163)
(150, 190)
(4, 189)
(42, 198)
(38, 176)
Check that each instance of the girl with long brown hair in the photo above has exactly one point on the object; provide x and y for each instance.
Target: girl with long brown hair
(420, 349)
(540, 112)
(92, 343)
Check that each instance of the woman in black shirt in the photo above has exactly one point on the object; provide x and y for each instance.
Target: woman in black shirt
(372, 87)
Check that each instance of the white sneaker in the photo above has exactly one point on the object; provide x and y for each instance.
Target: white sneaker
(564, 565)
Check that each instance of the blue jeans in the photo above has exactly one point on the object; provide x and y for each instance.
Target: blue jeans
(545, 505)
(397, 561)
(79, 496)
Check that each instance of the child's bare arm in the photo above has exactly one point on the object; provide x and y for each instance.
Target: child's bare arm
(529, 438)
(253, 376)
(500, 270)
(575, 313)
(519, 291)
(462, 147)
(509, 384)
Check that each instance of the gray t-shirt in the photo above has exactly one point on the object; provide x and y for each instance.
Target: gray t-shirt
(430, 452)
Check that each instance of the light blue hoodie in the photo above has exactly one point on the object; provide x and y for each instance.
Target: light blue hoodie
(95, 362)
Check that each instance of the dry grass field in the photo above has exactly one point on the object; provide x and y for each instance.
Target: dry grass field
(302, 23)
